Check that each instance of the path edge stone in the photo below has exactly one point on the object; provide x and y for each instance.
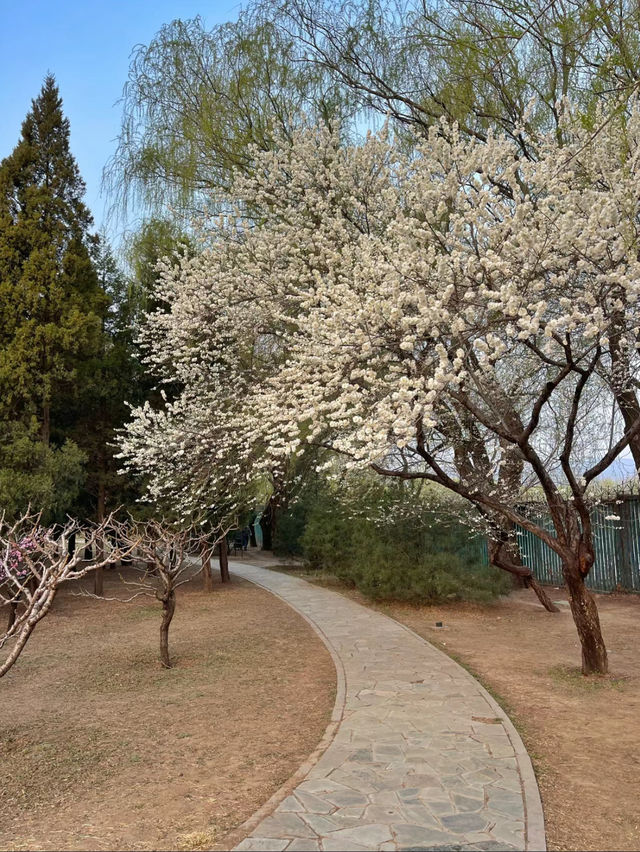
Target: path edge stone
(330, 731)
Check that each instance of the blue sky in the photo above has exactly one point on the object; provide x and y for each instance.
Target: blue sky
(87, 46)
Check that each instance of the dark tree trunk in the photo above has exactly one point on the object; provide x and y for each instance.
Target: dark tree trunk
(623, 389)
(168, 609)
(630, 410)
(71, 544)
(207, 579)
(506, 557)
(223, 554)
(98, 574)
(530, 582)
(13, 612)
(267, 524)
(252, 533)
(46, 421)
(98, 581)
(587, 621)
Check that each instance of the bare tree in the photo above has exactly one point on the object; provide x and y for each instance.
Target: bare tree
(34, 562)
(164, 566)
(165, 563)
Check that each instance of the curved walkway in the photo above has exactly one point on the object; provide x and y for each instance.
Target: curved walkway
(422, 757)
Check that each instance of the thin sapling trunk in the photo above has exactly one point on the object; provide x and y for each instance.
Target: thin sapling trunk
(168, 599)
(207, 579)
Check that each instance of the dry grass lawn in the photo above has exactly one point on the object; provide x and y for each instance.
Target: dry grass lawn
(583, 734)
(101, 748)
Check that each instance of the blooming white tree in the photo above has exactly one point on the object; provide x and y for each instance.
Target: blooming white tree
(458, 314)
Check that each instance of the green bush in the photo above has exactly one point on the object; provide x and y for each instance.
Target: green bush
(408, 555)
(287, 540)
(328, 537)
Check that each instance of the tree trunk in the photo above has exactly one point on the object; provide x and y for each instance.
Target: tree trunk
(252, 532)
(630, 410)
(168, 608)
(98, 576)
(504, 557)
(207, 579)
(98, 581)
(46, 421)
(223, 554)
(623, 389)
(587, 621)
(13, 611)
(267, 525)
(530, 582)
(39, 612)
(71, 544)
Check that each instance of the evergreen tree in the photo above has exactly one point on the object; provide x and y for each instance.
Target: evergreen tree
(51, 306)
(50, 299)
(109, 380)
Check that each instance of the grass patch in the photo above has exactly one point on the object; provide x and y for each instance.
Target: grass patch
(196, 840)
(39, 766)
(572, 677)
(142, 613)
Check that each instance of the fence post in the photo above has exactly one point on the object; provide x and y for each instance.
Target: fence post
(625, 549)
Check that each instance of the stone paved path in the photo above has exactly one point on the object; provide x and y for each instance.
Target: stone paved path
(422, 759)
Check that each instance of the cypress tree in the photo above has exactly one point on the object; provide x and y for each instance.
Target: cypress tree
(50, 299)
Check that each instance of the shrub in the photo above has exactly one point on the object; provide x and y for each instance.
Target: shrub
(397, 552)
(287, 540)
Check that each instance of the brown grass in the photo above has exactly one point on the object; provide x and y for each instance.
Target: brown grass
(583, 734)
(101, 748)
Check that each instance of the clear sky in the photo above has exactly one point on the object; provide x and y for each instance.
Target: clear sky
(87, 46)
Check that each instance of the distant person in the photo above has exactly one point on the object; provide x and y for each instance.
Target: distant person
(246, 536)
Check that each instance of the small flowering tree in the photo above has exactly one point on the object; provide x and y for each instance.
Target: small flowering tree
(459, 315)
(16, 573)
(34, 563)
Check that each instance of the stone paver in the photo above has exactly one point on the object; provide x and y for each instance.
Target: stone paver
(422, 759)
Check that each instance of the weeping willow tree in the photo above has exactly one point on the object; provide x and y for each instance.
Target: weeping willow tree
(481, 63)
(196, 100)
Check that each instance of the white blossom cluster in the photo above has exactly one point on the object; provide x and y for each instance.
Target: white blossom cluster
(362, 298)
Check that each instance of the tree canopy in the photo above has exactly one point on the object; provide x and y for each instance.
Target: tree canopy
(198, 101)
(50, 300)
(436, 315)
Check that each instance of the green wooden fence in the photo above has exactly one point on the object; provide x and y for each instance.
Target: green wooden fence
(617, 547)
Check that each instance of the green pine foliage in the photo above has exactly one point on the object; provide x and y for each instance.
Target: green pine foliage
(34, 474)
(108, 380)
(57, 330)
(50, 300)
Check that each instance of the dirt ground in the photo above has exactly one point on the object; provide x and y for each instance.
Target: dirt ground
(583, 735)
(101, 748)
